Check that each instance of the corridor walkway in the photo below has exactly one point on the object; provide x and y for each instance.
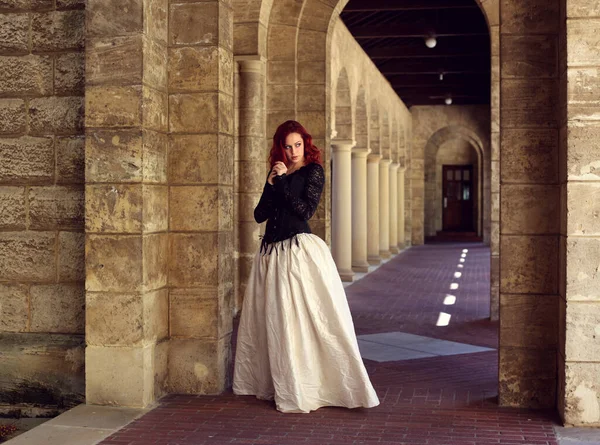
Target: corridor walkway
(437, 400)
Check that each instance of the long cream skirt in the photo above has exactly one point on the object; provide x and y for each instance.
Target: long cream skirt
(296, 342)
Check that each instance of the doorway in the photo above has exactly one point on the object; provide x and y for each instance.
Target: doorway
(458, 197)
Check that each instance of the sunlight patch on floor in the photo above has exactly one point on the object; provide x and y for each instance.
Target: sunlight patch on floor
(449, 300)
(443, 319)
(396, 346)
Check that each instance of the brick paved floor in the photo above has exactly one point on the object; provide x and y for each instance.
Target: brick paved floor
(447, 400)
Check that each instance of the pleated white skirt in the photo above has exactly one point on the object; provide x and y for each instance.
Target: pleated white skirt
(296, 342)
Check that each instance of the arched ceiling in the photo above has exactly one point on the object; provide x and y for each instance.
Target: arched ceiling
(393, 32)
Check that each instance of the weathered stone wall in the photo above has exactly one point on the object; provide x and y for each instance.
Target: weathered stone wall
(432, 127)
(529, 213)
(579, 246)
(41, 204)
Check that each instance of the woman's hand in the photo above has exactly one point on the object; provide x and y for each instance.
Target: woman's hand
(280, 168)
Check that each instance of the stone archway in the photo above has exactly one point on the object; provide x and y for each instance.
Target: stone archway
(296, 74)
(161, 128)
(433, 181)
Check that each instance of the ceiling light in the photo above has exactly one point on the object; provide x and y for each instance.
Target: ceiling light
(448, 101)
(430, 41)
(441, 76)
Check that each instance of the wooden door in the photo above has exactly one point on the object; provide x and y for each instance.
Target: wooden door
(457, 198)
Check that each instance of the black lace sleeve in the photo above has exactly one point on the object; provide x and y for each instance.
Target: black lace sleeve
(264, 208)
(306, 204)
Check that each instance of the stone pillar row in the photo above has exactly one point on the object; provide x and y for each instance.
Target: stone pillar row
(367, 208)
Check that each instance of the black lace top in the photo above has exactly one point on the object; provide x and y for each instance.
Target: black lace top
(289, 204)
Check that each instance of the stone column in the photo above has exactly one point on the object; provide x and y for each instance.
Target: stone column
(529, 205)
(341, 207)
(579, 245)
(492, 180)
(359, 210)
(401, 222)
(408, 192)
(201, 170)
(126, 202)
(373, 208)
(384, 208)
(250, 169)
(394, 207)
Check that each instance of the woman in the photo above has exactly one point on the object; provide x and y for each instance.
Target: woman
(296, 341)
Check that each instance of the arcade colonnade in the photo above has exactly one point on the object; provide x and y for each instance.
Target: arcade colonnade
(133, 154)
(362, 209)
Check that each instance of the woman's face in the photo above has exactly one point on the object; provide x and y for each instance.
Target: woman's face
(294, 149)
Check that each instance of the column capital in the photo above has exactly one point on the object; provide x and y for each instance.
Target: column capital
(373, 158)
(360, 152)
(250, 64)
(385, 162)
(394, 166)
(341, 145)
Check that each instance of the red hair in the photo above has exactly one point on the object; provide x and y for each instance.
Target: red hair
(311, 153)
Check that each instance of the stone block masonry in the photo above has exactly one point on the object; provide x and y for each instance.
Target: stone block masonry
(579, 242)
(127, 202)
(108, 97)
(529, 197)
(42, 299)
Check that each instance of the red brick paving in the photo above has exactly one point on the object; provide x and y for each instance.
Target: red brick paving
(447, 400)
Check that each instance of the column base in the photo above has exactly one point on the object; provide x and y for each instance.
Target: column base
(361, 268)
(394, 250)
(374, 260)
(346, 275)
(385, 254)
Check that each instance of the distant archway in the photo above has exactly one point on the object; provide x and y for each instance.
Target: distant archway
(433, 200)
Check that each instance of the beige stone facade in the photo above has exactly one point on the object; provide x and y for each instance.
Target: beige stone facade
(42, 263)
(579, 241)
(166, 124)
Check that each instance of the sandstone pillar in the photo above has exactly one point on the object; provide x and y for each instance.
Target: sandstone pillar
(408, 191)
(579, 277)
(492, 182)
(126, 202)
(251, 172)
(373, 161)
(529, 203)
(394, 207)
(341, 209)
(201, 177)
(359, 210)
(384, 208)
(401, 198)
